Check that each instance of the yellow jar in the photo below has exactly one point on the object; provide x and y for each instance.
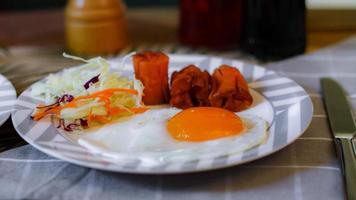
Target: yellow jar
(95, 26)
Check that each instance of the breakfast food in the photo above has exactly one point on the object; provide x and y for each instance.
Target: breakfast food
(151, 68)
(146, 137)
(226, 88)
(88, 95)
(91, 95)
(204, 123)
(190, 87)
(229, 89)
(200, 120)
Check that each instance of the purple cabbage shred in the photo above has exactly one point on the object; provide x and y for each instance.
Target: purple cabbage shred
(93, 80)
(72, 126)
(84, 123)
(61, 123)
(65, 98)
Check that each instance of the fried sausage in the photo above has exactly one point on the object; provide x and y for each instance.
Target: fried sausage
(190, 87)
(151, 68)
(229, 89)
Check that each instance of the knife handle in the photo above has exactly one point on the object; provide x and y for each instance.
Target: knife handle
(349, 166)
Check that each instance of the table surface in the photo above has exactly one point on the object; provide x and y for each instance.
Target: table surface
(288, 170)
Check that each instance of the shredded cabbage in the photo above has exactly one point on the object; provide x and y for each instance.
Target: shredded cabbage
(95, 75)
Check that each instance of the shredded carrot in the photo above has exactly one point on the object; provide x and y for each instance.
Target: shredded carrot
(114, 111)
(103, 96)
(139, 109)
(39, 115)
(100, 119)
(107, 93)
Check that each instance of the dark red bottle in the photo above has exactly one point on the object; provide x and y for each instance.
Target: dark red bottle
(210, 23)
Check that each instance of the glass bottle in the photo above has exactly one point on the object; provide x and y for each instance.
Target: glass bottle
(210, 23)
(95, 26)
(274, 29)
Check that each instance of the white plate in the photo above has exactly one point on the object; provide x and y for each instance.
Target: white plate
(279, 100)
(7, 98)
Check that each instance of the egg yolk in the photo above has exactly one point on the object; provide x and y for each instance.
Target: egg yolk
(204, 123)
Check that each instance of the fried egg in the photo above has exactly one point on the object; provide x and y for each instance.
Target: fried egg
(172, 135)
(204, 123)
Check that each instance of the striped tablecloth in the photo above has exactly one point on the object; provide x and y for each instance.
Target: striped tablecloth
(306, 169)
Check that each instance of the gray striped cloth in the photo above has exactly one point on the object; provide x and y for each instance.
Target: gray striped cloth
(306, 169)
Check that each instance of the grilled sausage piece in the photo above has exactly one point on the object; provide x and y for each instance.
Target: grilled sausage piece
(190, 87)
(229, 89)
(151, 68)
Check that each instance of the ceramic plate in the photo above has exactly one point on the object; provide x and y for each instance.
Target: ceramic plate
(7, 98)
(279, 100)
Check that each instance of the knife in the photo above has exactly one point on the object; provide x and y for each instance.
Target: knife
(343, 127)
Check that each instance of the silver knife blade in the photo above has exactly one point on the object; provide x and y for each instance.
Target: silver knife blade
(338, 109)
(343, 127)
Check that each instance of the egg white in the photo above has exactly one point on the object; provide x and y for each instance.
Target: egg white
(145, 137)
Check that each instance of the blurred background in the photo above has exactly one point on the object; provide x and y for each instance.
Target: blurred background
(154, 22)
(43, 4)
(38, 4)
